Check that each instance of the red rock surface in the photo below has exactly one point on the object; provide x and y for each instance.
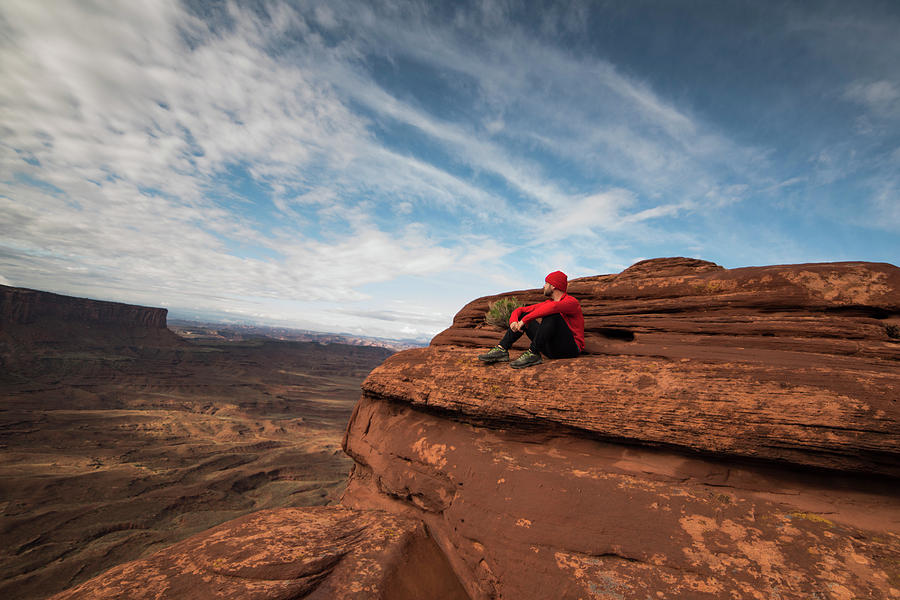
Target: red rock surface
(731, 433)
(316, 553)
(728, 434)
(783, 363)
(533, 514)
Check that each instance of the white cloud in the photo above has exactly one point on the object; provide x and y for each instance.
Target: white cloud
(584, 215)
(129, 131)
(135, 111)
(880, 97)
(580, 110)
(886, 207)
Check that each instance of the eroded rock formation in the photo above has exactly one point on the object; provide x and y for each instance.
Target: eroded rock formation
(731, 433)
(33, 322)
(20, 306)
(317, 553)
(728, 434)
(118, 438)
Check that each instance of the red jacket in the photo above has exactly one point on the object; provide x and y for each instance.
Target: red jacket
(567, 306)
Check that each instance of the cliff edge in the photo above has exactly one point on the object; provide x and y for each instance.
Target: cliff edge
(792, 364)
(33, 320)
(729, 433)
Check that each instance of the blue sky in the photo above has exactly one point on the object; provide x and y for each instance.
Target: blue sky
(369, 167)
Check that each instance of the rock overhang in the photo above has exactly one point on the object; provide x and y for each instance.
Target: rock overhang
(788, 363)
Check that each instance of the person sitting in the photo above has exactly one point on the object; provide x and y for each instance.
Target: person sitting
(555, 327)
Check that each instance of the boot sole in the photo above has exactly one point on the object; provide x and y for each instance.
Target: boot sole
(491, 361)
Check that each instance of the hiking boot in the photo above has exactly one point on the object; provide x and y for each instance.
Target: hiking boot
(527, 359)
(495, 354)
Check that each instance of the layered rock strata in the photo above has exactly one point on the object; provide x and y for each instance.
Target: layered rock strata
(727, 434)
(33, 321)
(20, 306)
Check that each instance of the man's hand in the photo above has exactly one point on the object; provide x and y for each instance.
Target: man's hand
(516, 326)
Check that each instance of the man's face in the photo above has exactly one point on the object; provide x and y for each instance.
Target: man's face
(548, 290)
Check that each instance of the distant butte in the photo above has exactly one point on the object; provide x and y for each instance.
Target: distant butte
(730, 433)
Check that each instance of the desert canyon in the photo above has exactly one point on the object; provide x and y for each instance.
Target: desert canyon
(728, 433)
(119, 437)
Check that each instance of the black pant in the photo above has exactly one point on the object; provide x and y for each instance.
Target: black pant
(551, 337)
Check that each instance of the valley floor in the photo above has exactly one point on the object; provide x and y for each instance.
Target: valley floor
(107, 456)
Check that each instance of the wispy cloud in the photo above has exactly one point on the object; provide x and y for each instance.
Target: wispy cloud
(881, 97)
(581, 110)
(282, 159)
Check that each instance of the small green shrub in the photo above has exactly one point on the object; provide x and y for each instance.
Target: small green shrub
(893, 331)
(499, 312)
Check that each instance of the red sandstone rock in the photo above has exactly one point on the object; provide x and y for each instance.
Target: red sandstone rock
(542, 513)
(827, 306)
(731, 434)
(24, 306)
(784, 363)
(289, 553)
(32, 321)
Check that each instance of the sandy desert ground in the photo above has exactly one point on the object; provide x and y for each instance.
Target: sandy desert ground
(108, 455)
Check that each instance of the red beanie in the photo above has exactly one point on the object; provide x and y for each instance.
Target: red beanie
(558, 280)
